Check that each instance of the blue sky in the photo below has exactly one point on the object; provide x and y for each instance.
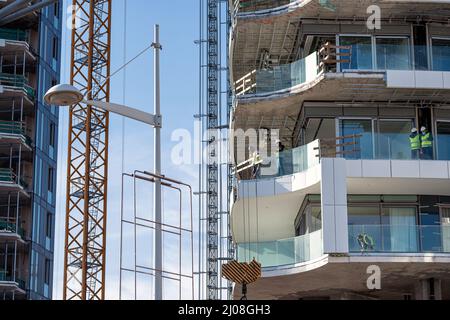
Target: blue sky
(178, 20)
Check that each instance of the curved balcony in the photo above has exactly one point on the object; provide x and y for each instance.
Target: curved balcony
(353, 71)
(241, 6)
(335, 9)
(283, 253)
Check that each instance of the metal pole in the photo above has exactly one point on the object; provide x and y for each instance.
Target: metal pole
(157, 170)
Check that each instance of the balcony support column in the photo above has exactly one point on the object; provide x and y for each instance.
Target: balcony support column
(334, 206)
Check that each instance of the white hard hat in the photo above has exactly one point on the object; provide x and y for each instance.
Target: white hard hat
(414, 130)
(423, 129)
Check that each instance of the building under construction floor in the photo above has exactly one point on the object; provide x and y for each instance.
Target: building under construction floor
(352, 169)
(29, 65)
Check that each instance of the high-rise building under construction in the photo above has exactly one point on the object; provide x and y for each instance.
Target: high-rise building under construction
(30, 42)
(346, 195)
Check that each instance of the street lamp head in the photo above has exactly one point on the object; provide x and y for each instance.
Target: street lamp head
(63, 95)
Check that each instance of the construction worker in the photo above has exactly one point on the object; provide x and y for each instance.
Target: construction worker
(281, 157)
(256, 160)
(426, 144)
(415, 142)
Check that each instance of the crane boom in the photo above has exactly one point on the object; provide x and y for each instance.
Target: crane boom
(87, 169)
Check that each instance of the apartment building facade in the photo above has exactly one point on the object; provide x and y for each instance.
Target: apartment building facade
(30, 53)
(362, 179)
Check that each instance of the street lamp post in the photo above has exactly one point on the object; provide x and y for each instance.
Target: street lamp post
(157, 169)
(66, 95)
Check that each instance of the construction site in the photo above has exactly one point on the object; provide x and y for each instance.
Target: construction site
(31, 37)
(324, 150)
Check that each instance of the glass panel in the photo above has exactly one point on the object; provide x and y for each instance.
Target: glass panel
(445, 217)
(383, 238)
(364, 145)
(283, 252)
(393, 139)
(441, 54)
(399, 198)
(443, 140)
(316, 219)
(400, 234)
(364, 198)
(393, 54)
(365, 238)
(363, 215)
(429, 219)
(361, 53)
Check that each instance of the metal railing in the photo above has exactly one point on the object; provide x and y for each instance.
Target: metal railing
(18, 81)
(399, 238)
(282, 252)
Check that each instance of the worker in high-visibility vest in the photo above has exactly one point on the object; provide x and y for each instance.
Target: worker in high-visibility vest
(426, 144)
(416, 145)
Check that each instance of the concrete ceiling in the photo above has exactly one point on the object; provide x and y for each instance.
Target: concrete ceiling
(344, 277)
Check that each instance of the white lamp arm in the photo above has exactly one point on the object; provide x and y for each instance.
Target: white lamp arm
(135, 114)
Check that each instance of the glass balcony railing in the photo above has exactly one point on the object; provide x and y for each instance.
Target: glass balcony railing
(9, 177)
(7, 225)
(4, 277)
(15, 128)
(18, 81)
(12, 127)
(384, 146)
(399, 238)
(283, 252)
(348, 57)
(256, 5)
(285, 163)
(13, 34)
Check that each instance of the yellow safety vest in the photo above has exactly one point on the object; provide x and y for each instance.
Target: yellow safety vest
(415, 142)
(427, 141)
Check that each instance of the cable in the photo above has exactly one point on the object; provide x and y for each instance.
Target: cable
(125, 65)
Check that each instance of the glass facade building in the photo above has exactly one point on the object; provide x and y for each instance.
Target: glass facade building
(27, 216)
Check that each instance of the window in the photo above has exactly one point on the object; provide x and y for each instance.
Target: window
(393, 53)
(52, 135)
(443, 140)
(441, 54)
(47, 271)
(51, 179)
(361, 53)
(360, 147)
(49, 225)
(393, 139)
(56, 9)
(55, 48)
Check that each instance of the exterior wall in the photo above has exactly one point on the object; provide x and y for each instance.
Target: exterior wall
(40, 280)
(44, 200)
(334, 206)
